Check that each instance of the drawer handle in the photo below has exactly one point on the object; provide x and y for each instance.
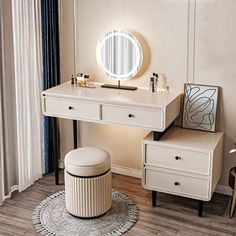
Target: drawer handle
(70, 108)
(177, 184)
(130, 115)
(177, 158)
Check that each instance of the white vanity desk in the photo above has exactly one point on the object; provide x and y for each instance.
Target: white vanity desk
(140, 108)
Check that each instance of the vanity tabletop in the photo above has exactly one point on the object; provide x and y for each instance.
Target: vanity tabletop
(140, 97)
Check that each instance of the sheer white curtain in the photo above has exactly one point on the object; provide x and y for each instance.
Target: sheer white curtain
(20, 83)
(26, 43)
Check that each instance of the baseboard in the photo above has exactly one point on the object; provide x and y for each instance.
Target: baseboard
(61, 164)
(126, 171)
(223, 190)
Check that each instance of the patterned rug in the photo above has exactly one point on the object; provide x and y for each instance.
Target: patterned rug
(50, 217)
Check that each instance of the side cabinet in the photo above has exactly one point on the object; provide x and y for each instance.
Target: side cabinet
(184, 162)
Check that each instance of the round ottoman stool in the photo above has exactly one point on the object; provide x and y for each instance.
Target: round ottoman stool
(88, 190)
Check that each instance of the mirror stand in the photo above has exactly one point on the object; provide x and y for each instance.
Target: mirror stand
(118, 86)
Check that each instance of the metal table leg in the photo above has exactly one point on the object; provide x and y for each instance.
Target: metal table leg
(75, 134)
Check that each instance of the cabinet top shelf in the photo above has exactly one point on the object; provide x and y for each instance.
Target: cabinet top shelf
(179, 137)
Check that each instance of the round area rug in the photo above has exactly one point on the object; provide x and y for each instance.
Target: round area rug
(50, 217)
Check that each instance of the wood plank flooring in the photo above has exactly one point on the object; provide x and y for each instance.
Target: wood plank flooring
(172, 216)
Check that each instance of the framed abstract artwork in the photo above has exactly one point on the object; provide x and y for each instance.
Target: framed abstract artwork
(200, 107)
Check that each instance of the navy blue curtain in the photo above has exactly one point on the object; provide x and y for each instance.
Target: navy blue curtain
(51, 76)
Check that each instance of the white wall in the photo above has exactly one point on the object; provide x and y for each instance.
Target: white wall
(176, 43)
(215, 63)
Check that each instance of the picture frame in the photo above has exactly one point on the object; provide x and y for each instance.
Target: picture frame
(200, 107)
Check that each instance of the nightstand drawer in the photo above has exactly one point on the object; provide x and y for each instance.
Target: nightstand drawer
(71, 109)
(178, 159)
(140, 117)
(177, 184)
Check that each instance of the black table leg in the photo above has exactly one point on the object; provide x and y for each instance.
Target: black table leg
(200, 208)
(154, 198)
(55, 145)
(75, 133)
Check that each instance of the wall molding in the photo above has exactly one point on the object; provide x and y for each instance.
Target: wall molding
(191, 30)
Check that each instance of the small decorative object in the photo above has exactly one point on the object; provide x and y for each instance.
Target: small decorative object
(200, 105)
(82, 80)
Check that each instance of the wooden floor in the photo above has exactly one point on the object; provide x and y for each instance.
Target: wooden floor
(173, 215)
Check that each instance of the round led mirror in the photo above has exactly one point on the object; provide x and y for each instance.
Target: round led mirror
(119, 55)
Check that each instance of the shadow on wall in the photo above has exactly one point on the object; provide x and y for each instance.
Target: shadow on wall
(146, 54)
(229, 159)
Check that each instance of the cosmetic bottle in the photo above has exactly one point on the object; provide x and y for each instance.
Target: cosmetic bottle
(72, 79)
(155, 81)
(79, 79)
(152, 85)
(86, 80)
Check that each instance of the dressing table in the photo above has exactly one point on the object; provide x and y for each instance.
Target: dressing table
(139, 108)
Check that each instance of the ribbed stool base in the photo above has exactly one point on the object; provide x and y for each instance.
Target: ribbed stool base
(88, 197)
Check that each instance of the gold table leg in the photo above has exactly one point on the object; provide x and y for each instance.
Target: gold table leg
(232, 184)
(233, 200)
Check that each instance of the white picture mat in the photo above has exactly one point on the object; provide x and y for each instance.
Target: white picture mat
(200, 107)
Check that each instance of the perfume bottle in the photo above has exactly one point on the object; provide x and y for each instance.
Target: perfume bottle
(79, 79)
(72, 79)
(152, 85)
(156, 76)
(86, 80)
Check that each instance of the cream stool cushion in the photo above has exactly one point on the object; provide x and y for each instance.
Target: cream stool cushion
(87, 161)
(88, 190)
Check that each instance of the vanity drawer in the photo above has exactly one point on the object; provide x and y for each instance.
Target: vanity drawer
(140, 117)
(178, 159)
(71, 109)
(177, 184)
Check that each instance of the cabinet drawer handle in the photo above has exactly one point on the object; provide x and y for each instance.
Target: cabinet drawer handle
(70, 108)
(177, 158)
(130, 115)
(177, 183)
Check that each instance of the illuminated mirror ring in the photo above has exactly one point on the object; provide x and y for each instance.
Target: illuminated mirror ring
(119, 55)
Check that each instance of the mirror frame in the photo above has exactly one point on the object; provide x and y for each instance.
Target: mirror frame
(137, 45)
